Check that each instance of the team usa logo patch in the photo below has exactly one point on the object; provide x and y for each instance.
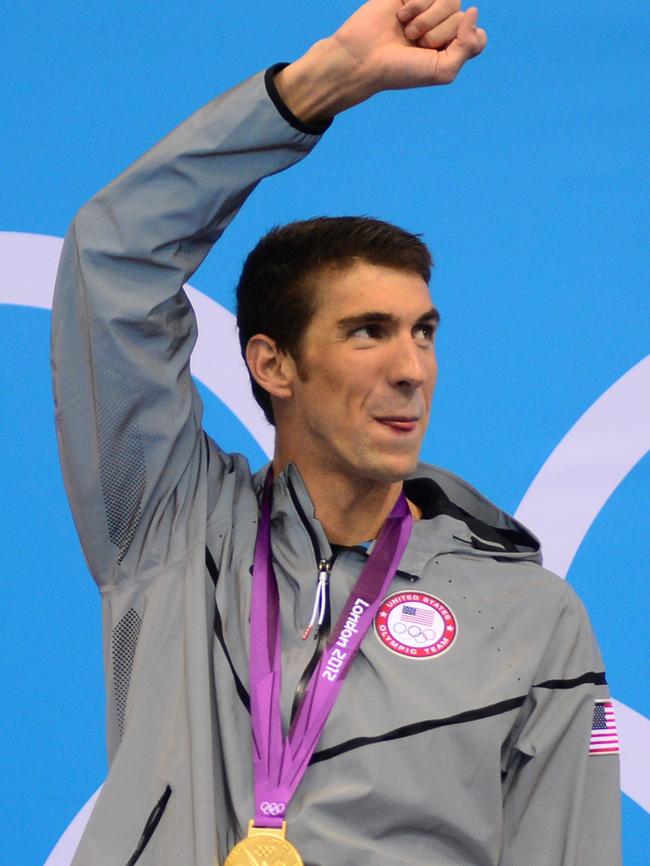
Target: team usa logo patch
(416, 625)
(604, 733)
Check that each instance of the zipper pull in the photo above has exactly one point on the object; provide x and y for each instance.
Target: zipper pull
(320, 600)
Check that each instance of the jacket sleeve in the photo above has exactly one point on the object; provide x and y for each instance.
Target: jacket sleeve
(561, 795)
(128, 415)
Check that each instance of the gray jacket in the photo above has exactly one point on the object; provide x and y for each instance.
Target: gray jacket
(476, 755)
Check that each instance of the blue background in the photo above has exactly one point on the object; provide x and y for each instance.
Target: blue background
(529, 180)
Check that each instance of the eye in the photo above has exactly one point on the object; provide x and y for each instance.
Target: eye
(367, 332)
(424, 332)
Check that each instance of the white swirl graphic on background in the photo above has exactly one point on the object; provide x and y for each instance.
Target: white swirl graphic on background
(565, 498)
(613, 435)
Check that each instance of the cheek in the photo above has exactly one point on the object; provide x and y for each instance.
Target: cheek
(430, 385)
(332, 397)
(434, 373)
(342, 386)
(345, 383)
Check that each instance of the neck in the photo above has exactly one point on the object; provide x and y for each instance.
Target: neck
(351, 511)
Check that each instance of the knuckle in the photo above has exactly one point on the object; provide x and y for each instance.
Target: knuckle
(415, 29)
(428, 40)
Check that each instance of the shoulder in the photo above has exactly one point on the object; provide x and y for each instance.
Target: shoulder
(514, 573)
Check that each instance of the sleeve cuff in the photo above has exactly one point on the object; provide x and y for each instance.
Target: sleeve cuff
(289, 116)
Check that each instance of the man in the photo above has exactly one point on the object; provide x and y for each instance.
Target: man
(444, 713)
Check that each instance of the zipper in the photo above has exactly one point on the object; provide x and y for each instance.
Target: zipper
(321, 633)
(152, 822)
(303, 517)
(325, 623)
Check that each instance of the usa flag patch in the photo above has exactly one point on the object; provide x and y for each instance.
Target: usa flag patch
(604, 734)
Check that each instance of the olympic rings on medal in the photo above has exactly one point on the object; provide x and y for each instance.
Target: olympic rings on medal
(273, 809)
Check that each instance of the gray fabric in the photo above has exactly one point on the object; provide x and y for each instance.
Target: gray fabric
(485, 764)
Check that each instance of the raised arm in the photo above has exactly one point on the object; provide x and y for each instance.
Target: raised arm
(128, 416)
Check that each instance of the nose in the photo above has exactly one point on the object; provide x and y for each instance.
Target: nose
(412, 364)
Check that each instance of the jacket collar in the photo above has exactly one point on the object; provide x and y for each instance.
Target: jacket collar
(456, 519)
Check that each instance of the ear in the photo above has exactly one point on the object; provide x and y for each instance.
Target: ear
(272, 369)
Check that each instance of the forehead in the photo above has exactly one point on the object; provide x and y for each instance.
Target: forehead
(362, 287)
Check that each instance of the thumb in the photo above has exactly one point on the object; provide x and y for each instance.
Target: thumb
(470, 40)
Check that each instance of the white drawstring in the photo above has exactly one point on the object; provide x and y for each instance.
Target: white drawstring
(320, 602)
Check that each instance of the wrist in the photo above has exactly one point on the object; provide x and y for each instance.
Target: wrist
(323, 82)
(307, 127)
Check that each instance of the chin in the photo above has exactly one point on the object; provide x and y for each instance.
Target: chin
(393, 470)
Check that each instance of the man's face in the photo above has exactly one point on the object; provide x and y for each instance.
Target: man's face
(360, 405)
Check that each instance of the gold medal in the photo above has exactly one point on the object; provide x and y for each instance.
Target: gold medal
(264, 846)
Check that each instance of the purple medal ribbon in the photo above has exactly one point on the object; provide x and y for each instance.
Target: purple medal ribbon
(279, 763)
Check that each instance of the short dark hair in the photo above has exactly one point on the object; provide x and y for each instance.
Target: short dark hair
(275, 292)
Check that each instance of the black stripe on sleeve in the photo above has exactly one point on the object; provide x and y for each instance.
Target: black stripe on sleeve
(289, 116)
(596, 678)
(218, 630)
(419, 728)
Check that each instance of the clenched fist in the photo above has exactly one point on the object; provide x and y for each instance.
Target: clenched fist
(384, 45)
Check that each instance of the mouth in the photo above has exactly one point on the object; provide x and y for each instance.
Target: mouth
(399, 423)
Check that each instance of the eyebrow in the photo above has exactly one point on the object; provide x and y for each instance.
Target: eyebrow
(432, 316)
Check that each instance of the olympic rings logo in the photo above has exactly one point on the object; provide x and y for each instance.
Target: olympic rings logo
(415, 632)
(272, 808)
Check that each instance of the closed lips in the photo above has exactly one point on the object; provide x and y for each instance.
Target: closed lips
(399, 422)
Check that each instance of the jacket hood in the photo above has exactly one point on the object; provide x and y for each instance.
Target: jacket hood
(465, 520)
